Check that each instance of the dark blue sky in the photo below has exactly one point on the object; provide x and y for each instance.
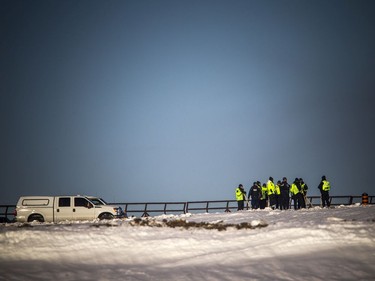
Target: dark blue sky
(183, 100)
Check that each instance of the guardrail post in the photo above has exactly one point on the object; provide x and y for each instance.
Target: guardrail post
(350, 200)
(207, 206)
(227, 210)
(145, 214)
(184, 210)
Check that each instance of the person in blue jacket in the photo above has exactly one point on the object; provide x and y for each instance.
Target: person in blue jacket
(255, 194)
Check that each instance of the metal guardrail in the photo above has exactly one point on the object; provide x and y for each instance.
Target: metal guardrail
(222, 205)
(157, 208)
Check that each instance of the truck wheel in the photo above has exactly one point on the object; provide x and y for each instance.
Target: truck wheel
(106, 216)
(36, 217)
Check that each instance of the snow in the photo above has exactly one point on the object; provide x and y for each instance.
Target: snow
(309, 244)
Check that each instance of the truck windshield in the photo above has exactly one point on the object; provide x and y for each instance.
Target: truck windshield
(97, 201)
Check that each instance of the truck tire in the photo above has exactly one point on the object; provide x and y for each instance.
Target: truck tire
(35, 217)
(106, 216)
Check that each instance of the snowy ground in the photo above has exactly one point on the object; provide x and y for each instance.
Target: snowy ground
(312, 244)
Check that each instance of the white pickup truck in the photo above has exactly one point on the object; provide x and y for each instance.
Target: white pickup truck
(64, 208)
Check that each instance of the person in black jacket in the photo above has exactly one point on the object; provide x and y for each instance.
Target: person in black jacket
(301, 198)
(304, 189)
(284, 194)
(255, 193)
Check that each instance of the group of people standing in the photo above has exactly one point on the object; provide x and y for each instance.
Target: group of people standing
(277, 196)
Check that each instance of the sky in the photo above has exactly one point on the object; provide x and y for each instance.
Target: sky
(139, 101)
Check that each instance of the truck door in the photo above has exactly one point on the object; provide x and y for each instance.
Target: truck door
(63, 209)
(83, 209)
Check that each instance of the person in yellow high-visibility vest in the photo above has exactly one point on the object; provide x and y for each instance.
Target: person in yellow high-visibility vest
(324, 188)
(263, 199)
(271, 192)
(295, 191)
(240, 197)
(278, 195)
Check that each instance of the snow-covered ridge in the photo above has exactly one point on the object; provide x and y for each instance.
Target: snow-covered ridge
(310, 244)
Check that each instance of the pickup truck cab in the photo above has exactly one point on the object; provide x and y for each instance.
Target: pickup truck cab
(64, 208)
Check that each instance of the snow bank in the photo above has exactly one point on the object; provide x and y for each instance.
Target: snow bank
(311, 244)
